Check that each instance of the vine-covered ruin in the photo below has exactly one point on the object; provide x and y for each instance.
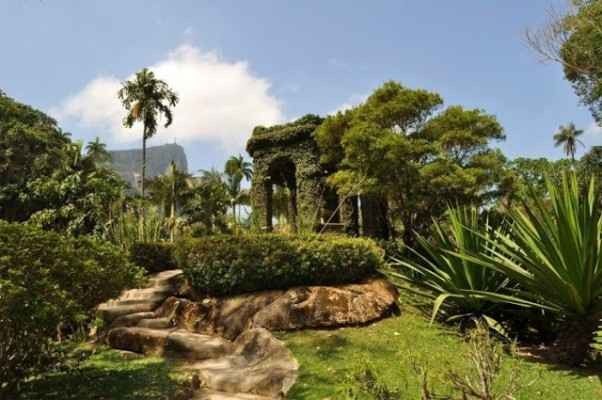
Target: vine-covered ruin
(289, 179)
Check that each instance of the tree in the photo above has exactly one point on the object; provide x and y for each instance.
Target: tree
(567, 136)
(97, 152)
(146, 99)
(235, 170)
(43, 177)
(572, 38)
(170, 192)
(206, 208)
(397, 147)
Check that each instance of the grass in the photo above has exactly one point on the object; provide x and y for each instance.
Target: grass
(108, 375)
(395, 349)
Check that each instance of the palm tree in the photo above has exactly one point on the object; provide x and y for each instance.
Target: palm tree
(237, 169)
(97, 152)
(567, 136)
(146, 99)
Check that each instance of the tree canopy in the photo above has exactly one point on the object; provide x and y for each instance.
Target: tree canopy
(398, 145)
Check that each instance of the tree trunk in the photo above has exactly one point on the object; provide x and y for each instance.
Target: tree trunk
(172, 216)
(574, 340)
(142, 225)
(234, 216)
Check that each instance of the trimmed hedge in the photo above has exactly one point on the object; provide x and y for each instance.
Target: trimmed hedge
(50, 283)
(228, 265)
(153, 256)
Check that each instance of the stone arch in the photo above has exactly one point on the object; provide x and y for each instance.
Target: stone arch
(287, 155)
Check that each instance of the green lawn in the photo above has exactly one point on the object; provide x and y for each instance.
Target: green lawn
(107, 375)
(395, 347)
(392, 348)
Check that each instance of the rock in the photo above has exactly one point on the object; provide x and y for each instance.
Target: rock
(197, 347)
(260, 364)
(138, 340)
(207, 394)
(296, 308)
(327, 307)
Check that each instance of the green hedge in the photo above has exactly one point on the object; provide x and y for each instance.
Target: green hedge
(50, 283)
(227, 265)
(153, 256)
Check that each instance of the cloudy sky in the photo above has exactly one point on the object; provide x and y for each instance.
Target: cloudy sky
(237, 64)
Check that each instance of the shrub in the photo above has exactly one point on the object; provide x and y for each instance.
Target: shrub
(49, 285)
(153, 256)
(226, 265)
(453, 284)
(554, 253)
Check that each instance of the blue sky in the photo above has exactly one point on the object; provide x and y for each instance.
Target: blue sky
(239, 63)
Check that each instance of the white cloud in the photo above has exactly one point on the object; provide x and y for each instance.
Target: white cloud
(220, 101)
(592, 135)
(351, 102)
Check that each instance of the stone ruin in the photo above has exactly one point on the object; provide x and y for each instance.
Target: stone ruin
(286, 157)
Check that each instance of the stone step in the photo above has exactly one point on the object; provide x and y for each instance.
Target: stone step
(131, 319)
(196, 346)
(178, 343)
(156, 299)
(207, 394)
(155, 323)
(163, 291)
(139, 340)
(166, 277)
(110, 311)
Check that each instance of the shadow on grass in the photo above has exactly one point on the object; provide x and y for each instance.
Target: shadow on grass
(107, 376)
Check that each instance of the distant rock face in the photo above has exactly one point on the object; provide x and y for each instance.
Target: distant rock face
(128, 162)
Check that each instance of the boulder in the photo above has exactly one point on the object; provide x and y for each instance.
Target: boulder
(260, 364)
(296, 308)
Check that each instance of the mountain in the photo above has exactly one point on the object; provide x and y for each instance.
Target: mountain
(128, 162)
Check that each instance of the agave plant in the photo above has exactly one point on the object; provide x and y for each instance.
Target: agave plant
(458, 287)
(553, 252)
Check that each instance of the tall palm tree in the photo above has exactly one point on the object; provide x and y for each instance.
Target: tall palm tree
(567, 136)
(146, 99)
(237, 169)
(97, 152)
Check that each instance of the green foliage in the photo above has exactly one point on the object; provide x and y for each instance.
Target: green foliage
(455, 285)
(50, 284)
(206, 207)
(45, 178)
(153, 256)
(236, 170)
(146, 99)
(567, 137)
(124, 226)
(554, 252)
(395, 145)
(227, 265)
(579, 35)
(300, 129)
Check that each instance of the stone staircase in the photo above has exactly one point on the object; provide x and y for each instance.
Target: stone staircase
(254, 365)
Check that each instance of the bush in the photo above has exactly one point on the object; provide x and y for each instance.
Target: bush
(153, 256)
(49, 285)
(227, 265)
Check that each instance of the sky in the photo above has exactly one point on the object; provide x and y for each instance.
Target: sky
(238, 64)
